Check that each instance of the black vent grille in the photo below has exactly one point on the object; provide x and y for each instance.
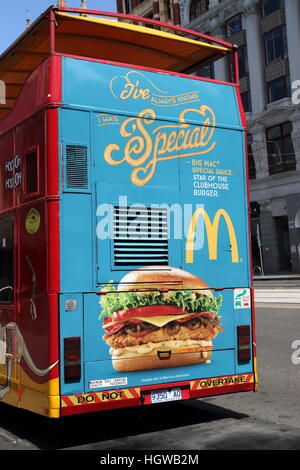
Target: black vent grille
(140, 236)
(76, 169)
(10, 342)
(31, 166)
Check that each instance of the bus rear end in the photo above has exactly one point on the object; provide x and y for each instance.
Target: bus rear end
(156, 301)
(124, 218)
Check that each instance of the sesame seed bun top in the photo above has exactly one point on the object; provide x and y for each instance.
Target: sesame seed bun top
(162, 277)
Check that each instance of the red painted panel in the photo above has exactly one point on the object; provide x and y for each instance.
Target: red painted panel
(52, 191)
(42, 87)
(54, 95)
(7, 172)
(25, 104)
(53, 247)
(30, 136)
(39, 359)
(33, 248)
(42, 84)
(53, 328)
(38, 312)
(27, 128)
(244, 123)
(52, 151)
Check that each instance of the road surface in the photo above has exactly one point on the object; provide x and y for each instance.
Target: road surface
(268, 419)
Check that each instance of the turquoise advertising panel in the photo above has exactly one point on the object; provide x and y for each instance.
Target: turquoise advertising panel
(162, 245)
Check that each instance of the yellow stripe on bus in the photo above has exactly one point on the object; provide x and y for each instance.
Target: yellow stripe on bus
(96, 397)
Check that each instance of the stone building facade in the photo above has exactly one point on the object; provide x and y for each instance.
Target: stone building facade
(268, 35)
(166, 11)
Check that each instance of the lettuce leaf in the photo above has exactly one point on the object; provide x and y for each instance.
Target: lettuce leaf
(188, 300)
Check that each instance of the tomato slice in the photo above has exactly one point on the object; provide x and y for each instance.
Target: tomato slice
(110, 330)
(147, 311)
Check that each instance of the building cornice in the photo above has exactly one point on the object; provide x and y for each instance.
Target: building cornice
(216, 16)
(275, 186)
(278, 110)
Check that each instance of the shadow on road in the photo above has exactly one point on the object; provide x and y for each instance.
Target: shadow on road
(82, 430)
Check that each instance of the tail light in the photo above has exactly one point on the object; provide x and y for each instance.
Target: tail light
(72, 359)
(244, 343)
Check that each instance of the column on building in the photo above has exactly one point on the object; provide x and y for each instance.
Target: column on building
(294, 199)
(156, 10)
(165, 11)
(259, 150)
(292, 14)
(293, 207)
(176, 12)
(221, 66)
(295, 119)
(256, 58)
(120, 6)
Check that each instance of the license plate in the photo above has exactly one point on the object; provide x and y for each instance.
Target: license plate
(161, 396)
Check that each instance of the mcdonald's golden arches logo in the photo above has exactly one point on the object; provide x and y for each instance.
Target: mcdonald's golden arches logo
(212, 229)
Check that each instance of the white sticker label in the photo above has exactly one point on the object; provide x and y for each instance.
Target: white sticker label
(242, 298)
(70, 305)
(108, 383)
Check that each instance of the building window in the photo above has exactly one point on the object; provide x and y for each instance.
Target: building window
(198, 8)
(270, 6)
(256, 244)
(127, 4)
(276, 44)
(167, 9)
(251, 162)
(6, 258)
(246, 100)
(279, 88)
(207, 71)
(284, 245)
(281, 154)
(243, 61)
(234, 25)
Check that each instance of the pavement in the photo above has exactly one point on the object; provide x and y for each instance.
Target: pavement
(283, 288)
(212, 428)
(235, 430)
(232, 434)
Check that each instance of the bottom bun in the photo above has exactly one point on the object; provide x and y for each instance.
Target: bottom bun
(161, 357)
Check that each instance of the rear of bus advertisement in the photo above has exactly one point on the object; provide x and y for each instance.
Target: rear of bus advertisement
(126, 272)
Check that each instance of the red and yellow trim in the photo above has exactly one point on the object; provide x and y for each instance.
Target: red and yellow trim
(224, 381)
(109, 399)
(106, 399)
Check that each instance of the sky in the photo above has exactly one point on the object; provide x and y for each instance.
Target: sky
(14, 13)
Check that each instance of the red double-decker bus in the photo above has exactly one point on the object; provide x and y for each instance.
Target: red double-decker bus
(107, 134)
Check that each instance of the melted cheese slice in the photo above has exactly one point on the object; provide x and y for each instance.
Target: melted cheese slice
(159, 320)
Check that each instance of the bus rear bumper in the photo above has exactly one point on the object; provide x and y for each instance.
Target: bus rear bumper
(136, 396)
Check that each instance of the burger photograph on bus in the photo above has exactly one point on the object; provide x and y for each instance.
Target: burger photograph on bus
(158, 318)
